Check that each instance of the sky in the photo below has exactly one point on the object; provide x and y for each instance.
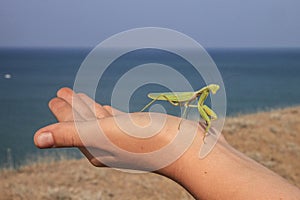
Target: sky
(213, 23)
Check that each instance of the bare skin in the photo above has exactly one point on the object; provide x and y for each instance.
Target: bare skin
(224, 174)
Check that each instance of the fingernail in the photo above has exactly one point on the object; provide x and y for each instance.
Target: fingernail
(45, 140)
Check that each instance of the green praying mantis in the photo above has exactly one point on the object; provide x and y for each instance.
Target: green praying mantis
(186, 98)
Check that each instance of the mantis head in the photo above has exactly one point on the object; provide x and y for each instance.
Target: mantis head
(213, 88)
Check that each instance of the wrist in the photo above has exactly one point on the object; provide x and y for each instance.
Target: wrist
(199, 175)
(179, 169)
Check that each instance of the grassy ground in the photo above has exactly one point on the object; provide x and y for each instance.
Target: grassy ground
(271, 138)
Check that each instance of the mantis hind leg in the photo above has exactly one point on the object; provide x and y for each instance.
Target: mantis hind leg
(151, 102)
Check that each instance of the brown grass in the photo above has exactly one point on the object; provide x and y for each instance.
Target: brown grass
(271, 138)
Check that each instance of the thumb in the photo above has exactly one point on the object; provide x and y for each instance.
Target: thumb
(62, 134)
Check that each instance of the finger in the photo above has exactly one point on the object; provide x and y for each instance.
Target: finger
(77, 104)
(63, 110)
(58, 135)
(112, 111)
(74, 134)
(67, 95)
(63, 113)
(96, 108)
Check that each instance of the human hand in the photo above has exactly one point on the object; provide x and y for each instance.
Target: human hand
(79, 121)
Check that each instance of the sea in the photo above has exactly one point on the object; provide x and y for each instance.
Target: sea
(254, 80)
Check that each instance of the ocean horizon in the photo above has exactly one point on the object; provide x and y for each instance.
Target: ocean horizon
(254, 79)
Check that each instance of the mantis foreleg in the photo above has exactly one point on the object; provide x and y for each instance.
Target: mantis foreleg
(204, 115)
(203, 97)
(202, 111)
(209, 112)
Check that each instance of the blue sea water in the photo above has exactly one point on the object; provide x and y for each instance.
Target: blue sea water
(255, 79)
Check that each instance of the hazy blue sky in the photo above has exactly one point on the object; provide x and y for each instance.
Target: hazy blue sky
(213, 23)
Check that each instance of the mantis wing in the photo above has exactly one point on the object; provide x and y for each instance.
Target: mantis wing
(172, 96)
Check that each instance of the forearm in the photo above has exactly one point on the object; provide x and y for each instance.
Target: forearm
(227, 174)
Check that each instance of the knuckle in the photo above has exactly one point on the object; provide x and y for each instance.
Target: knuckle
(56, 104)
(82, 95)
(106, 107)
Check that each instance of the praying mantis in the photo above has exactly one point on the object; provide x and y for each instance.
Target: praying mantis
(186, 98)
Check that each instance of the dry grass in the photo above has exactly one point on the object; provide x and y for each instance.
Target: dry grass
(77, 179)
(271, 138)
